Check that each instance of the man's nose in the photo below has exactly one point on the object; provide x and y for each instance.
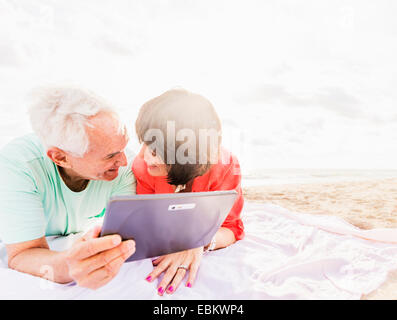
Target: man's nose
(122, 160)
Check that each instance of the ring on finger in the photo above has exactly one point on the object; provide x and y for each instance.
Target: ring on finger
(182, 266)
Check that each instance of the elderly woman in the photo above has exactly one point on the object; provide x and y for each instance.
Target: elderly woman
(181, 151)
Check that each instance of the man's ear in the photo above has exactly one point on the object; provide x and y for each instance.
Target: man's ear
(59, 157)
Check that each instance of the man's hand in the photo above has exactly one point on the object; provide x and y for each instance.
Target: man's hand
(94, 261)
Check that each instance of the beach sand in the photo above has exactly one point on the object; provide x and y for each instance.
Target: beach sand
(365, 204)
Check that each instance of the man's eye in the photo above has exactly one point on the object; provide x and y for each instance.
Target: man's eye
(153, 153)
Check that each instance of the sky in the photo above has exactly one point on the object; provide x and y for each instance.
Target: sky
(297, 84)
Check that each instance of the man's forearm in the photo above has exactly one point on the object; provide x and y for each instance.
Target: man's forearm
(42, 262)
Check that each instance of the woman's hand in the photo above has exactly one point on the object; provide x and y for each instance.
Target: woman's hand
(173, 265)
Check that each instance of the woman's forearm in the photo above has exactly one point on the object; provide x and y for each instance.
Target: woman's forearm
(224, 238)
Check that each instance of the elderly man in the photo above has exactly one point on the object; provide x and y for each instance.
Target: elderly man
(56, 181)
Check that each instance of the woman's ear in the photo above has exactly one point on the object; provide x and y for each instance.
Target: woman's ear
(59, 157)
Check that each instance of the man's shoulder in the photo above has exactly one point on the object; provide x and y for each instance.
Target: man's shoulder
(23, 149)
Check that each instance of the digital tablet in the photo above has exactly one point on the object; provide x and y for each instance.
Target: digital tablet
(166, 223)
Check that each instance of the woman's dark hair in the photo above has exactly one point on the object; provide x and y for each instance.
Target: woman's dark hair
(178, 112)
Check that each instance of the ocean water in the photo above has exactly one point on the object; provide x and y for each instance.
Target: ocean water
(268, 177)
(306, 85)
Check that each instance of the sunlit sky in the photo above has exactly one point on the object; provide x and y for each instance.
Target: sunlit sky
(297, 84)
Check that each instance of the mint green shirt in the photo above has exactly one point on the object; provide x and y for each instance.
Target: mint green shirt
(34, 200)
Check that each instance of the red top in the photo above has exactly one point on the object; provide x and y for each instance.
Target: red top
(225, 175)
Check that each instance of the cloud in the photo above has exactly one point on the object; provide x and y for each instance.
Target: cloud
(339, 101)
(334, 99)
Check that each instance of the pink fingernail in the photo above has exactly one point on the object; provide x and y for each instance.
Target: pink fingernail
(189, 285)
(171, 288)
(160, 290)
(148, 278)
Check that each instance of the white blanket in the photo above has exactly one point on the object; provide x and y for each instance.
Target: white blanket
(285, 255)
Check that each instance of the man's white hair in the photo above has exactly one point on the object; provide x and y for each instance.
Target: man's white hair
(59, 115)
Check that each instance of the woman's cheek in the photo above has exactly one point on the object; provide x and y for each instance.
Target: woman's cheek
(157, 170)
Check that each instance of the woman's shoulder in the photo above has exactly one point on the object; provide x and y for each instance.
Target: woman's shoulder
(225, 174)
(227, 162)
(227, 156)
(227, 159)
